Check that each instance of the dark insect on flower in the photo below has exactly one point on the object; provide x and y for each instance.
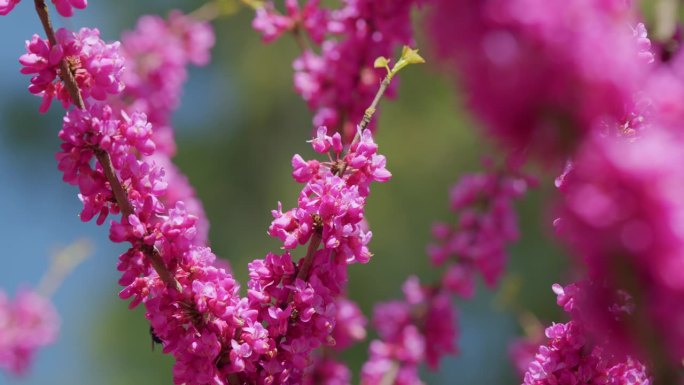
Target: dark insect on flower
(155, 339)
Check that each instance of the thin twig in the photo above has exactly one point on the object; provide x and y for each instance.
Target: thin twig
(101, 155)
(303, 273)
(300, 38)
(308, 259)
(370, 111)
(117, 189)
(44, 16)
(127, 210)
(64, 70)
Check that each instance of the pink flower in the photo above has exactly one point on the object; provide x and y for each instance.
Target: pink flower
(199, 314)
(486, 223)
(460, 279)
(26, 324)
(65, 7)
(157, 54)
(82, 132)
(97, 67)
(643, 43)
(6, 6)
(350, 326)
(440, 329)
(322, 142)
(621, 212)
(570, 356)
(332, 202)
(421, 328)
(536, 76)
(327, 371)
(271, 24)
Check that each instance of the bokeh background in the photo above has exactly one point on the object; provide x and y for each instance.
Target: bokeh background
(239, 124)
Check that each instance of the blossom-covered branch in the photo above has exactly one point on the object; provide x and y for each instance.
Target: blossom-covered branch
(422, 327)
(571, 356)
(194, 306)
(598, 93)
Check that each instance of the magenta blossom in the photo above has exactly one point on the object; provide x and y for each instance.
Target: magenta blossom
(194, 305)
(26, 324)
(311, 18)
(65, 7)
(6, 6)
(622, 213)
(571, 356)
(158, 53)
(327, 371)
(421, 328)
(350, 324)
(333, 199)
(535, 71)
(486, 223)
(97, 67)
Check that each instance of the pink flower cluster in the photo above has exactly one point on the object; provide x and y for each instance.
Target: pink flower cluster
(350, 324)
(333, 199)
(64, 7)
(96, 66)
(594, 92)
(85, 133)
(194, 306)
(486, 224)
(214, 334)
(327, 371)
(309, 296)
(421, 328)
(27, 323)
(570, 356)
(157, 55)
(622, 214)
(206, 298)
(350, 328)
(542, 74)
(311, 18)
(339, 82)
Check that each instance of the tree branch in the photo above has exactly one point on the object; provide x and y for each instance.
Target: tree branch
(303, 273)
(102, 156)
(64, 70)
